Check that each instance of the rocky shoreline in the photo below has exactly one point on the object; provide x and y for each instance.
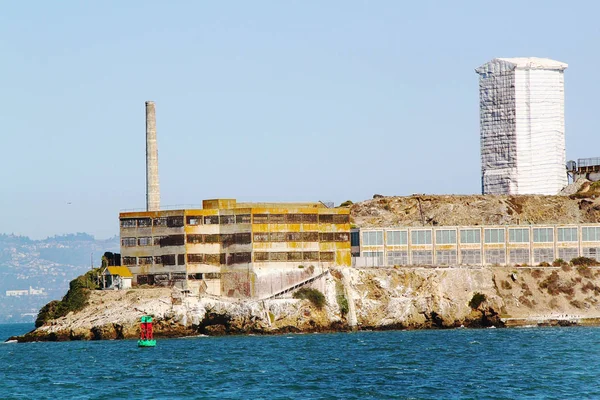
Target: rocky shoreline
(356, 299)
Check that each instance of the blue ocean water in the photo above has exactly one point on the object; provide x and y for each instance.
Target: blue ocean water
(544, 363)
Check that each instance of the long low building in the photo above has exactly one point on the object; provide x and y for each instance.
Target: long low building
(474, 245)
(228, 248)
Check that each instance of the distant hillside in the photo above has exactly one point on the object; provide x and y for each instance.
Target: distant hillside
(44, 265)
(582, 206)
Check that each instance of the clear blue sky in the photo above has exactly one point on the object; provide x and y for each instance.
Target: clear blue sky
(256, 100)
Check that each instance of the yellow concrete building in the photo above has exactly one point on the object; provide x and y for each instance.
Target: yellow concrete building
(235, 249)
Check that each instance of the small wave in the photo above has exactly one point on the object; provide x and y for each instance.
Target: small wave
(11, 341)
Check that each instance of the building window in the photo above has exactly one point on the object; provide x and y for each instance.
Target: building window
(172, 240)
(194, 219)
(397, 257)
(543, 235)
(341, 218)
(243, 219)
(568, 253)
(519, 256)
(543, 255)
(420, 237)
(227, 219)
(195, 238)
(175, 222)
(129, 260)
(310, 256)
(446, 236)
(518, 235)
(327, 256)
(144, 222)
(494, 236)
(145, 241)
(211, 220)
(422, 257)
(195, 258)
(128, 222)
(470, 257)
(169, 259)
(354, 238)
(495, 256)
(145, 260)
(180, 259)
(395, 238)
(592, 252)
(162, 221)
(129, 242)
(261, 218)
(446, 257)
(567, 235)
(375, 257)
(471, 236)
(326, 219)
(590, 234)
(372, 238)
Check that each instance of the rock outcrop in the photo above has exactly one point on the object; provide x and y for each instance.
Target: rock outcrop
(368, 298)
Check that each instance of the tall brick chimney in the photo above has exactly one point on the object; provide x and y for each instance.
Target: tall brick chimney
(152, 185)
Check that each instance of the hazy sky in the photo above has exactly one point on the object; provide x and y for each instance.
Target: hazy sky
(255, 100)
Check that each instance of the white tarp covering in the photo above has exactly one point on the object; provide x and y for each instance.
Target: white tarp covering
(522, 126)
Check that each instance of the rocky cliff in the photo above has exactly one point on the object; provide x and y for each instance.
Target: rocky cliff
(375, 298)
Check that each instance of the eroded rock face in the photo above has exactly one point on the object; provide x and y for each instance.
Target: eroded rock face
(376, 298)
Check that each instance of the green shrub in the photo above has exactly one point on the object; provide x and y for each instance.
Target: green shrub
(313, 295)
(476, 300)
(343, 304)
(347, 203)
(559, 262)
(75, 299)
(543, 264)
(585, 261)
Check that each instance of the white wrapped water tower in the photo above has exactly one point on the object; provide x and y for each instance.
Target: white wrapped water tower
(522, 126)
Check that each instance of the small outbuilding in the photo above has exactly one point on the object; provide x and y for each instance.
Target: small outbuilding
(118, 277)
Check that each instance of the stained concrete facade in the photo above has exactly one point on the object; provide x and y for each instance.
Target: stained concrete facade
(235, 249)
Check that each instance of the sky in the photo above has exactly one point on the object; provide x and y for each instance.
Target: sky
(262, 100)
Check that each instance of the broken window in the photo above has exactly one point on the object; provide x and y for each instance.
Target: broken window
(194, 220)
(175, 222)
(213, 259)
(422, 257)
(277, 218)
(212, 275)
(158, 260)
(239, 258)
(309, 218)
(194, 238)
(293, 218)
(227, 239)
(195, 258)
(397, 257)
(261, 256)
(180, 259)
(128, 222)
(277, 236)
(211, 220)
(261, 237)
(227, 219)
(145, 241)
(129, 260)
(196, 276)
(162, 221)
(326, 237)
(278, 256)
(341, 237)
(145, 260)
(568, 253)
(142, 280)
(293, 237)
(144, 222)
(310, 236)
(129, 242)
(294, 256)
(327, 256)
(157, 239)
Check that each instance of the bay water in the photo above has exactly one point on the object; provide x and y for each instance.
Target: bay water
(533, 363)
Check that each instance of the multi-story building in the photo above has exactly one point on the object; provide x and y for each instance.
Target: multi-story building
(235, 249)
(474, 245)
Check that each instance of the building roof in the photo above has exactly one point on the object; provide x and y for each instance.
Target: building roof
(123, 272)
(525, 63)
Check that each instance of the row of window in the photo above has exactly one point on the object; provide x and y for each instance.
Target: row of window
(178, 221)
(228, 239)
(473, 257)
(295, 256)
(473, 236)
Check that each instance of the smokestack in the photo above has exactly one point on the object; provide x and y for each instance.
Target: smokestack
(152, 186)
